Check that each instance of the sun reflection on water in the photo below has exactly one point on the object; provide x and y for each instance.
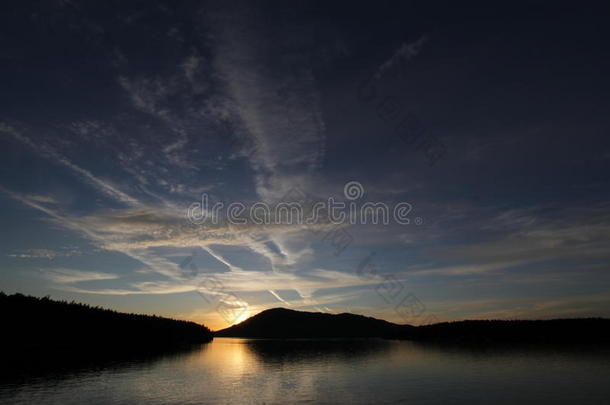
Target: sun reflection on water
(231, 355)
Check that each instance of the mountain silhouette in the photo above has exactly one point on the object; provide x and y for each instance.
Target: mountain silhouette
(287, 323)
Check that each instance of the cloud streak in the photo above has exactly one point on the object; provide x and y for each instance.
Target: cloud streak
(71, 276)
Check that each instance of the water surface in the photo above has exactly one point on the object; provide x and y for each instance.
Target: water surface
(246, 371)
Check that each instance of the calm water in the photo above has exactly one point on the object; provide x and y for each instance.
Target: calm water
(242, 371)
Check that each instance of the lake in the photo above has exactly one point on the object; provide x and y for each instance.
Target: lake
(250, 371)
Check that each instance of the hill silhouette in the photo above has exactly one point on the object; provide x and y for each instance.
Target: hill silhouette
(553, 331)
(42, 324)
(286, 323)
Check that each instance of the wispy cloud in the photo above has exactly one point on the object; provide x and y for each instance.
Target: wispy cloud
(50, 153)
(402, 55)
(275, 105)
(71, 276)
(524, 308)
(44, 253)
(276, 101)
(244, 281)
(474, 268)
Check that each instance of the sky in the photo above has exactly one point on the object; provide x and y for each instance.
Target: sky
(487, 120)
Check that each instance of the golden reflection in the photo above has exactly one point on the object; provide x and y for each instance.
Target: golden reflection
(230, 355)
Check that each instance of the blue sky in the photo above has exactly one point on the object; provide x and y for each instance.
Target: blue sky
(116, 117)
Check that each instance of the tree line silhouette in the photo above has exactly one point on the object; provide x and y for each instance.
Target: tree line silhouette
(42, 323)
(551, 331)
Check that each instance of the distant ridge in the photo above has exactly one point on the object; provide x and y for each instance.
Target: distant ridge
(287, 323)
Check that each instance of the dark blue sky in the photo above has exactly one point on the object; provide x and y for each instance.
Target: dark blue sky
(488, 118)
